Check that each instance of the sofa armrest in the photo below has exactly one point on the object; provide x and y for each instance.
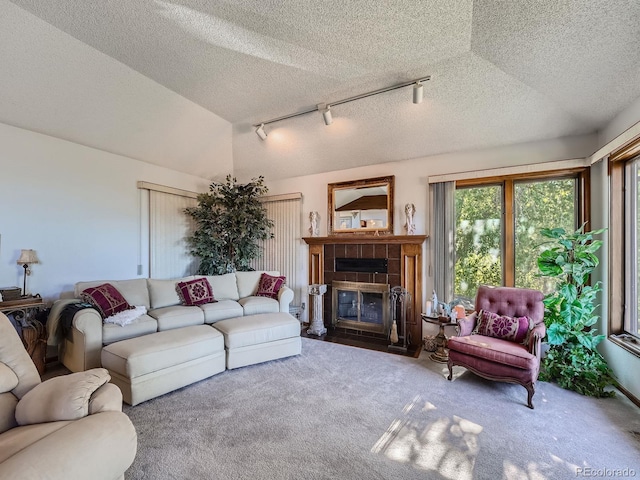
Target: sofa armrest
(466, 325)
(99, 447)
(536, 335)
(107, 398)
(61, 398)
(81, 347)
(285, 297)
(54, 330)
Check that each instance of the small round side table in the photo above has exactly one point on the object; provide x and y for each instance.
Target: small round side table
(441, 355)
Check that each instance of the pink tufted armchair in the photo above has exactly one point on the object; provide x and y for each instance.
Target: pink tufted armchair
(504, 358)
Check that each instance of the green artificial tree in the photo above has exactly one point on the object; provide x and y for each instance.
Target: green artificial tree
(231, 221)
(573, 361)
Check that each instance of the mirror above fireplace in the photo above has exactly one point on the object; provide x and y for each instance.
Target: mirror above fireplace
(361, 206)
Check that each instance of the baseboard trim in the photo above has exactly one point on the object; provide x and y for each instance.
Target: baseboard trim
(629, 395)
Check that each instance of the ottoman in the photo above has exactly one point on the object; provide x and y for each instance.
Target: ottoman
(152, 365)
(260, 338)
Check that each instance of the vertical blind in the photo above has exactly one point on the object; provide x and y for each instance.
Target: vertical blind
(169, 226)
(283, 252)
(444, 228)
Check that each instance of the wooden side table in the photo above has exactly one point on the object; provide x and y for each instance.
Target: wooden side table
(441, 355)
(33, 333)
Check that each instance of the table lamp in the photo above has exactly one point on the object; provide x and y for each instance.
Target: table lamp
(27, 257)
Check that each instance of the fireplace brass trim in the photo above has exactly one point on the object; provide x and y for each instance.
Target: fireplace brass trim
(361, 287)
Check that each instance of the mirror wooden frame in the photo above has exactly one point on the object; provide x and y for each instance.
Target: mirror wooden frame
(356, 185)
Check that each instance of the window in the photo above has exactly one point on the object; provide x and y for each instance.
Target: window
(498, 224)
(631, 233)
(478, 238)
(624, 247)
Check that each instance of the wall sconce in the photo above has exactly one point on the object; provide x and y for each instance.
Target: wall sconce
(27, 257)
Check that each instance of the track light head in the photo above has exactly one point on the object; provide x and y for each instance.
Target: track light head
(326, 113)
(417, 92)
(261, 133)
(326, 116)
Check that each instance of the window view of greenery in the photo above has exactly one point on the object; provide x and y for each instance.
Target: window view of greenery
(541, 204)
(480, 234)
(478, 239)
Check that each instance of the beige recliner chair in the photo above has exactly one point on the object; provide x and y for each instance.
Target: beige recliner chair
(68, 427)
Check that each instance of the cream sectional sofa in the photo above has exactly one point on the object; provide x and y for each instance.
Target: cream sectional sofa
(80, 349)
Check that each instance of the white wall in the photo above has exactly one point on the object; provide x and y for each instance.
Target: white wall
(411, 176)
(78, 207)
(622, 122)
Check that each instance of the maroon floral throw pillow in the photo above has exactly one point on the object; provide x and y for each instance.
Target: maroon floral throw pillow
(195, 292)
(106, 299)
(270, 286)
(501, 326)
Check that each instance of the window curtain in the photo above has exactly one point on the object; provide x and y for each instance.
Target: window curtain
(443, 238)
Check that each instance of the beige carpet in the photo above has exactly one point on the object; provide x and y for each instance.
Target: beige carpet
(339, 412)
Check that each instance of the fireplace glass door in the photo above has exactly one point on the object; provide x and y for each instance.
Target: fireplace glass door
(361, 306)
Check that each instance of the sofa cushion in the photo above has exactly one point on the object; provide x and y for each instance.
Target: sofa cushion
(177, 316)
(162, 293)
(195, 292)
(105, 298)
(248, 282)
(256, 329)
(491, 324)
(140, 326)
(8, 402)
(494, 350)
(20, 438)
(60, 398)
(214, 312)
(256, 305)
(224, 286)
(135, 291)
(8, 378)
(269, 286)
(151, 353)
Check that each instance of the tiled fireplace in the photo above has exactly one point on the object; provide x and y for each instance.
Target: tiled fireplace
(348, 263)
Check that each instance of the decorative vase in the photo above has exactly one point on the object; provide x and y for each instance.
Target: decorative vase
(394, 333)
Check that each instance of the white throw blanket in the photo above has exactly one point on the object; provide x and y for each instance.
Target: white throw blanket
(127, 316)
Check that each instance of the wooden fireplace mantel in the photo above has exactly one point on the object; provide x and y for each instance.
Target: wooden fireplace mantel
(355, 239)
(407, 262)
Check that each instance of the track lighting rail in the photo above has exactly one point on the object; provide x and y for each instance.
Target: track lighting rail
(325, 107)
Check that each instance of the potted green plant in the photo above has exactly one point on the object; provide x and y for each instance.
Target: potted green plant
(231, 221)
(572, 360)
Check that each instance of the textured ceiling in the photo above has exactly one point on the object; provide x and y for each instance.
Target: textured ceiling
(503, 72)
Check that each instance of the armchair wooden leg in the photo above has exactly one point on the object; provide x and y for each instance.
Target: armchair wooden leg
(530, 391)
(450, 365)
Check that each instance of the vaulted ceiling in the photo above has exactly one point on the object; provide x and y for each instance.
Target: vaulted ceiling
(502, 72)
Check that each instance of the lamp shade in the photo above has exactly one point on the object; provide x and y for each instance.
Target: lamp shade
(27, 257)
